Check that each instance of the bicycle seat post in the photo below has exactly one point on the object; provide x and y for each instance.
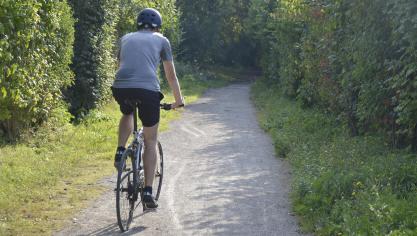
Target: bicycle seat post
(135, 118)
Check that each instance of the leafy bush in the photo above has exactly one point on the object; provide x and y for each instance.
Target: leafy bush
(342, 185)
(94, 61)
(356, 59)
(36, 39)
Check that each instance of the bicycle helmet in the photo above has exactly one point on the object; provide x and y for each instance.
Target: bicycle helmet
(149, 18)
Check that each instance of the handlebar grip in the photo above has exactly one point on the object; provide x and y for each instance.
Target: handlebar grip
(166, 106)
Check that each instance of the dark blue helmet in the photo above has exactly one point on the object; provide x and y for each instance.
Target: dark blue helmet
(149, 18)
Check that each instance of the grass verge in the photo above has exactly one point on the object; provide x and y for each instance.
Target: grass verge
(342, 185)
(54, 174)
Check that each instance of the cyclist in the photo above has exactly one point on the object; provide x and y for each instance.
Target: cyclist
(140, 54)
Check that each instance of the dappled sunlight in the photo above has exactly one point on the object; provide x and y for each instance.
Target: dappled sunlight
(231, 183)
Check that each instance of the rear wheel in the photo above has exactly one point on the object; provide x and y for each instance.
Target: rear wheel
(159, 172)
(125, 202)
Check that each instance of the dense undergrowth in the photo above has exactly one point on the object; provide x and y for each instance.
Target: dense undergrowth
(52, 174)
(342, 185)
(353, 58)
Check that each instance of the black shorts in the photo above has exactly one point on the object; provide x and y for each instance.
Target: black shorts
(149, 111)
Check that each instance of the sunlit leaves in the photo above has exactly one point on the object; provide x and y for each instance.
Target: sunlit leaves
(354, 58)
(35, 49)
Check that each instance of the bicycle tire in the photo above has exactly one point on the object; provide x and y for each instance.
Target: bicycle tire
(159, 172)
(137, 182)
(124, 192)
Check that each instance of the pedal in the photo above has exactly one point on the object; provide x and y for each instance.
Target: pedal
(123, 189)
(146, 209)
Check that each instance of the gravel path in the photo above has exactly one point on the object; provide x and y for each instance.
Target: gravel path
(221, 177)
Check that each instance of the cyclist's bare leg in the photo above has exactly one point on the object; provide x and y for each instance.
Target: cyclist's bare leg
(125, 129)
(149, 155)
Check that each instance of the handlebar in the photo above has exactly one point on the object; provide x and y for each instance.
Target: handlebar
(167, 106)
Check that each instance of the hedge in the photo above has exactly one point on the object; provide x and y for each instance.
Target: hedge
(356, 59)
(36, 39)
(94, 61)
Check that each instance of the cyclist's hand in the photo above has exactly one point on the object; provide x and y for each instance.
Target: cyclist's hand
(177, 104)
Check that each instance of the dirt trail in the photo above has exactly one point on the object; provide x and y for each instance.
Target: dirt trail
(221, 177)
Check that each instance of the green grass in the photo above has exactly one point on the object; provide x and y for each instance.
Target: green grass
(342, 185)
(54, 174)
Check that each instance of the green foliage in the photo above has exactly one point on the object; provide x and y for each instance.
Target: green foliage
(342, 185)
(403, 67)
(355, 59)
(196, 80)
(94, 61)
(214, 32)
(36, 39)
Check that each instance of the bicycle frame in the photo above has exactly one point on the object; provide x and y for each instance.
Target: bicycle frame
(136, 145)
(138, 138)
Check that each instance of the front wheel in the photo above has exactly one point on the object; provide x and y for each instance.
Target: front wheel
(125, 192)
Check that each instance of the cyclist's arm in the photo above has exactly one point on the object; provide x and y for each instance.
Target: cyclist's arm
(171, 76)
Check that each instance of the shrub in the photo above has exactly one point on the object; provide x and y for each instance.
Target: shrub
(355, 59)
(36, 38)
(94, 61)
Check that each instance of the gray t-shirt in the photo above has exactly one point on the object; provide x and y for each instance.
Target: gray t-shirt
(140, 55)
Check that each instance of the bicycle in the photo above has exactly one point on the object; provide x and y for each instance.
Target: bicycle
(130, 176)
